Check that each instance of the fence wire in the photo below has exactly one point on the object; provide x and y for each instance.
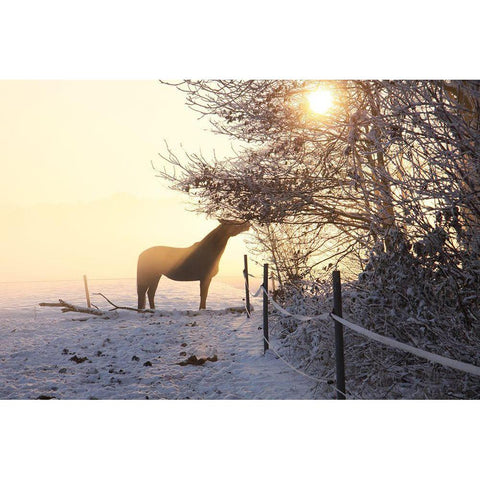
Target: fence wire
(432, 357)
(323, 381)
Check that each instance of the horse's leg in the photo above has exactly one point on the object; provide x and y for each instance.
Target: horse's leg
(152, 288)
(204, 285)
(141, 291)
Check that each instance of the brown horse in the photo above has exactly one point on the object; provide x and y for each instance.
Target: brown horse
(197, 262)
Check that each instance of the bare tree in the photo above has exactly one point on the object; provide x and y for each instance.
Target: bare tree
(392, 167)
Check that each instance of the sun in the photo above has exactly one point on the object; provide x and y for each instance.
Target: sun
(320, 100)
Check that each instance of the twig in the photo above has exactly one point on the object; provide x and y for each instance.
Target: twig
(122, 308)
(68, 307)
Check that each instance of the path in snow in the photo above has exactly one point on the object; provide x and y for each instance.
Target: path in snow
(136, 356)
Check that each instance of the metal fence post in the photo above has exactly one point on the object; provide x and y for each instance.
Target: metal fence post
(339, 357)
(265, 308)
(247, 288)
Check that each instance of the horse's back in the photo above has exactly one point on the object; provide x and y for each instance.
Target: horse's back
(160, 259)
(182, 264)
(169, 261)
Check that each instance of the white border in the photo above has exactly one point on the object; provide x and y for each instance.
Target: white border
(249, 39)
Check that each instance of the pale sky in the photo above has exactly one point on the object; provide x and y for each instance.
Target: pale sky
(77, 191)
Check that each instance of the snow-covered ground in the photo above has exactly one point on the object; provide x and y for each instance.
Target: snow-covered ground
(137, 356)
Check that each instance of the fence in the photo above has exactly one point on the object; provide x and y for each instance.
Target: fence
(339, 323)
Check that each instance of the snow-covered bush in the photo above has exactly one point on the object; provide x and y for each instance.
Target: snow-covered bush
(398, 297)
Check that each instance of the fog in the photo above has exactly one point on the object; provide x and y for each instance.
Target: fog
(100, 238)
(78, 194)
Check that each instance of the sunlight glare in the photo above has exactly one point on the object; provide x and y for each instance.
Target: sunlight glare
(320, 100)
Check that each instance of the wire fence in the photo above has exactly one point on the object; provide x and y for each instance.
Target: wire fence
(262, 290)
(390, 342)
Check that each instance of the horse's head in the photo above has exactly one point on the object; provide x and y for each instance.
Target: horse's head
(234, 227)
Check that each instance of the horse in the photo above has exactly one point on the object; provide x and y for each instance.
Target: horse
(199, 262)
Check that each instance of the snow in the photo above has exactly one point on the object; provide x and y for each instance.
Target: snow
(134, 355)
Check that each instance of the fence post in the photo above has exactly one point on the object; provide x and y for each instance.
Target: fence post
(265, 307)
(87, 294)
(247, 288)
(339, 358)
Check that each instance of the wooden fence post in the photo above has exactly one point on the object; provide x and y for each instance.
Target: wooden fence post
(247, 291)
(265, 308)
(339, 357)
(87, 294)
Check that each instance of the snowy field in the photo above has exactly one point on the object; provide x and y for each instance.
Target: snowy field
(48, 354)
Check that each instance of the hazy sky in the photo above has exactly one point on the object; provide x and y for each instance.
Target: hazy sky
(77, 190)
(63, 141)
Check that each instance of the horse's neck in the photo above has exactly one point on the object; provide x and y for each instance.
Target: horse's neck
(216, 240)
